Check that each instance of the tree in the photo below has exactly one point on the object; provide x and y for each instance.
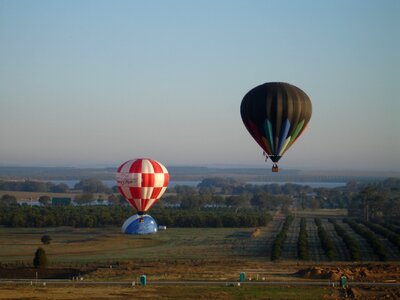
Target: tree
(46, 239)
(44, 200)
(84, 199)
(92, 186)
(59, 188)
(8, 200)
(191, 202)
(40, 259)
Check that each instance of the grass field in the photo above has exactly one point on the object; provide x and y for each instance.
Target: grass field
(162, 292)
(105, 254)
(74, 245)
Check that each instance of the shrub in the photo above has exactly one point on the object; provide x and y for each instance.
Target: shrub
(40, 259)
(46, 239)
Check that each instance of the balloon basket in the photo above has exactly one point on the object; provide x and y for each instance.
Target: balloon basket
(139, 224)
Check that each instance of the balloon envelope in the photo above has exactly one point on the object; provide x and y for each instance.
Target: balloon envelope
(275, 114)
(142, 182)
(139, 224)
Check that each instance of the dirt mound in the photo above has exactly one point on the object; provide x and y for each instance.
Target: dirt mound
(256, 233)
(367, 272)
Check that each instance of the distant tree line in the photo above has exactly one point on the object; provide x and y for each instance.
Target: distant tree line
(101, 216)
(368, 201)
(85, 185)
(377, 201)
(33, 186)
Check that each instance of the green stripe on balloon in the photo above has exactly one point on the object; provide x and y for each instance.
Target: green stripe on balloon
(268, 133)
(296, 133)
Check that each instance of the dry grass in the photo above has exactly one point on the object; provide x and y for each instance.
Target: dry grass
(102, 245)
(161, 292)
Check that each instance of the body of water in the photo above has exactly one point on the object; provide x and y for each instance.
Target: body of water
(111, 183)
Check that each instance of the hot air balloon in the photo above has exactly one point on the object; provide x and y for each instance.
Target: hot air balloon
(275, 114)
(141, 182)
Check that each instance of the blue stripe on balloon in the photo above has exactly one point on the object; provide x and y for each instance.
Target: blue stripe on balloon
(283, 135)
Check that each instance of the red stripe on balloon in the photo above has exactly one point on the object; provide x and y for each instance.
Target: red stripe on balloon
(157, 168)
(135, 192)
(166, 179)
(121, 192)
(147, 180)
(136, 167)
(121, 166)
(132, 202)
(143, 202)
(156, 192)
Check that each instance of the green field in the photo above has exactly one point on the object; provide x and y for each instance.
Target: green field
(105, 254)
(72, 245)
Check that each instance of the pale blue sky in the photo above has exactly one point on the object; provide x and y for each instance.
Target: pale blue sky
(87, 83)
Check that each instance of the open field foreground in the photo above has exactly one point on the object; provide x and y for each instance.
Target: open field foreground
(164, 292)
(222, 291)
(216, 255)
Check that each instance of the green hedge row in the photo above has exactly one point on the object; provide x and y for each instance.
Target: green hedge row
(302, 243)
(390, 235)
(280, 239)
(101, 216)
(371, 238)
(350, 242)
(326, 242)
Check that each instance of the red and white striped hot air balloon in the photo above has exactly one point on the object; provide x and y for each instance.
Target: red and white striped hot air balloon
(142, 182)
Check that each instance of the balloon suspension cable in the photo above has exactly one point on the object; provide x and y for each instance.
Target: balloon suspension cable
(265, 155)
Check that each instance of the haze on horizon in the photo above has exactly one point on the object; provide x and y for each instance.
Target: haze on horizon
(95, 83)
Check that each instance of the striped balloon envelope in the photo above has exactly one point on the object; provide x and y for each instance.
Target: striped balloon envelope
(142, 182)
(276, 114)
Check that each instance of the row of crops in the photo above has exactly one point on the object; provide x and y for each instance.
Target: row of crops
(363, 241)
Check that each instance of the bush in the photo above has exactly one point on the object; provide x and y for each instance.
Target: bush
(371, 238)
(280, 239)
(302, 243)
(46, 239)
(325, 240)
(387, 233)
(350, 242)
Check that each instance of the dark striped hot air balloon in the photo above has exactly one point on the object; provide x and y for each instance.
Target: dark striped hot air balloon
(275, 114)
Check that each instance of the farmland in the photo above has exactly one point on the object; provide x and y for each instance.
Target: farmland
(86, 245)
(220, 254)
(217, 232)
